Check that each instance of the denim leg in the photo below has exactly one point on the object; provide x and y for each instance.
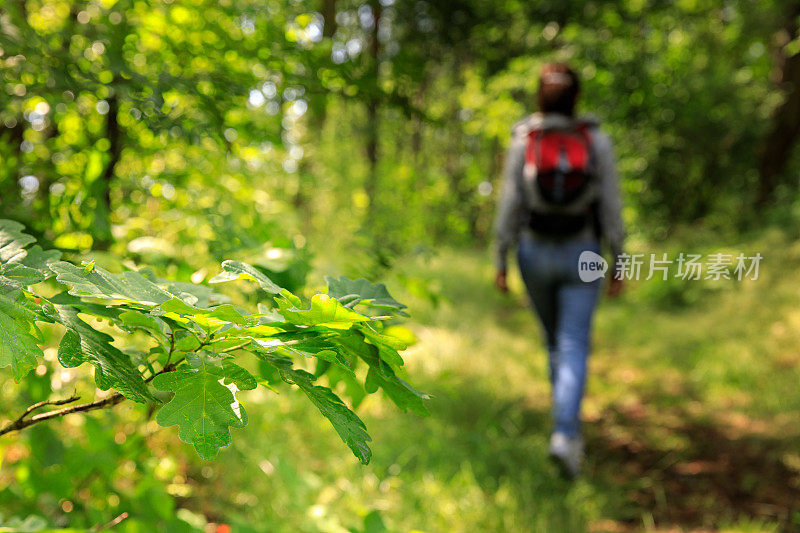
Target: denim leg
(576, 303)
(544, 298)
(538, 278)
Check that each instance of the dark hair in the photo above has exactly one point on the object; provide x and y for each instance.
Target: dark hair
(558, 89)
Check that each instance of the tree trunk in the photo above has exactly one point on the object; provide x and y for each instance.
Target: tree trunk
(785, 121)
(12, 137)
(115, 148)
(329, 18)
(373, 103)
(102, 222)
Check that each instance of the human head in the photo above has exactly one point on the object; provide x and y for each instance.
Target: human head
(558, 89)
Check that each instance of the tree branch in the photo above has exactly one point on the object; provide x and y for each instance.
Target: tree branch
(39, 405)
(22, 421)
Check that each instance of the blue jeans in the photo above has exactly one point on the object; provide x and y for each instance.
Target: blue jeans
(565, 306)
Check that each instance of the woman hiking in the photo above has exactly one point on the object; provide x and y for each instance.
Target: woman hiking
(560, 197)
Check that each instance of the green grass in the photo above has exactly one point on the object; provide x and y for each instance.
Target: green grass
(692, 422)
(693, 411)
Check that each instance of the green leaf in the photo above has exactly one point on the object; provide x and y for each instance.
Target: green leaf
(203, 407)
(291, 298)
(177, 306)
(381, 374)
(227, 345)
(138, 320)
(323, 354)
(13, 241)
(211, 319)
(231, 314)
(40, 260)
(346, 423)
(373, 381)
(128, 286)
(324, 311)
(82, 344)
(232, 270)
(352, 387)
(18, 275)
(19, 267)
(70, 353)
(388, 346)
(200, 296)
(99, 310)
(352, 292)
(18, 346)
(373, 523)
(186, 341)
(135, 319)
(322, 367)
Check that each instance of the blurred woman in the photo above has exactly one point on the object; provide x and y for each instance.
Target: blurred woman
(560, 198)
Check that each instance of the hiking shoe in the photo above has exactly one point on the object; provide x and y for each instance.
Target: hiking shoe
(567, 452)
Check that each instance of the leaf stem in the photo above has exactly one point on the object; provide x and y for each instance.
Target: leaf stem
(171, 348)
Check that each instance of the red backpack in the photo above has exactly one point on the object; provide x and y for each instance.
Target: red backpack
(561, 162)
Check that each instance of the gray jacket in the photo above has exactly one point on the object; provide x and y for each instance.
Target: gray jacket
(519, 196)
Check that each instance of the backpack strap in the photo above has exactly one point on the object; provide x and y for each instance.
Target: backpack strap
(583, 127)
(533, 151)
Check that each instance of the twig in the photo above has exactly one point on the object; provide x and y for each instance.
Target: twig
(22, 421)
(111, 524)
(39, 405)
(110, 401)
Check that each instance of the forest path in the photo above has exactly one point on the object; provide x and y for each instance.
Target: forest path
(692, 412)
